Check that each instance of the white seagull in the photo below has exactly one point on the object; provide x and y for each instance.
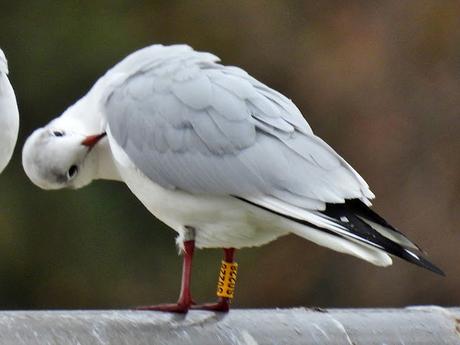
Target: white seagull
(218, 156)
(9, 115)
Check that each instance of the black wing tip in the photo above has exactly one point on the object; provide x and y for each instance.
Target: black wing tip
(419, 260)
(367, 212)
(389, 246)
(433, 268)
(352, 209)
(439, 272)
(424, 263)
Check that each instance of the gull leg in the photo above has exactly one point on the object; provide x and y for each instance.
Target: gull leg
(223, 303)
(185, 298)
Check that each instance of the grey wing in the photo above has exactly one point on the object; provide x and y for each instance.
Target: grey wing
(202, 127)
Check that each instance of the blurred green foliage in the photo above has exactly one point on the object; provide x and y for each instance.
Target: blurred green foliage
(378, 80)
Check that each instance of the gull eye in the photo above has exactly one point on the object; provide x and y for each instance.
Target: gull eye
(58, 133)
(72, 172)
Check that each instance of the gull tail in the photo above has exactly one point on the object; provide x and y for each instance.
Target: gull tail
(349, 227)
(359, 219)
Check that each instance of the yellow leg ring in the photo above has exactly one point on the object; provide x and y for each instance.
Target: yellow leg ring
(227, 279)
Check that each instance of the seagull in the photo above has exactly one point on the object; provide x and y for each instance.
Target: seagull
(221, 158)
(9, 115)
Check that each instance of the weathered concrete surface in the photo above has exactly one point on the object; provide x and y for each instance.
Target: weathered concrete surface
(414, 325)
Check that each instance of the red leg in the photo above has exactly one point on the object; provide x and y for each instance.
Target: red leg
(223, 303)
(185, 298)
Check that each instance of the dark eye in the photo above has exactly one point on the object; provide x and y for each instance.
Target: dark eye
(58, 133)
(72, 172)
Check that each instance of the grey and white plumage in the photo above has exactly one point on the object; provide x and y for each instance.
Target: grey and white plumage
(9, 115)
(208, 146)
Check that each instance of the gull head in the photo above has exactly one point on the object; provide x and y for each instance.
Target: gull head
(54, 158)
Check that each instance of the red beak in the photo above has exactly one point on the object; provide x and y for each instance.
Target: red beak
(92, 140)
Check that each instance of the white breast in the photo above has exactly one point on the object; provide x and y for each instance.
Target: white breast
(219, 221)
(9, 120)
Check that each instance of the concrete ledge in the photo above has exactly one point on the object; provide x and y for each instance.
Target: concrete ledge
(413, 325)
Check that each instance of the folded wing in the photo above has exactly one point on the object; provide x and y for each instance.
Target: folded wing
(192, 124)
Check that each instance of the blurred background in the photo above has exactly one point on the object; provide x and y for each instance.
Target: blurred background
(378, 80)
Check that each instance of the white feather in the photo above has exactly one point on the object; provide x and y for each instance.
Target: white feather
(9, 115)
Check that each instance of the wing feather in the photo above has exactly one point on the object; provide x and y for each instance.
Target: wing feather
(228, 105)
(195, 93)
(190, 123)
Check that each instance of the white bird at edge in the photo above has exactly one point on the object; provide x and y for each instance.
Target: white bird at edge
(9, 115)
(218, 156)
